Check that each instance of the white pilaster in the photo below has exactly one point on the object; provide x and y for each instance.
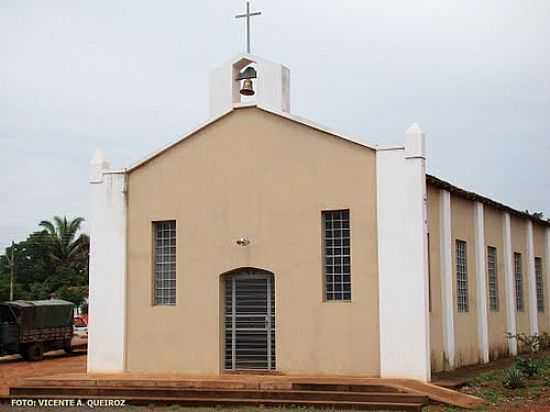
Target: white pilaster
(509, 283)
(402, 260)
(446, 269)
(481, 278)
(532, 281)
(547, 273)
(107, 301)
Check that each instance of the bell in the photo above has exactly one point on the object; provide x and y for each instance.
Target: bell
(247, 89)
(248, 73)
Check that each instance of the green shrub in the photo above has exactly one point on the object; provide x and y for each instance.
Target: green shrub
(513, 379)
(529, 367)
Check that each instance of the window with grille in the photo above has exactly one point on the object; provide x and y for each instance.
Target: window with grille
(337, 254)
(165, 262)
(492, 278)
(518, 275)
(540, 284)
(462, 277)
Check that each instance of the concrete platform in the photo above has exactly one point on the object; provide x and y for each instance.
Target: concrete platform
(231, 389)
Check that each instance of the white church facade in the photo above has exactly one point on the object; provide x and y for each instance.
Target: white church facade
(261, 241)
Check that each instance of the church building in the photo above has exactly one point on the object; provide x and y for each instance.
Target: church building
(264, 242)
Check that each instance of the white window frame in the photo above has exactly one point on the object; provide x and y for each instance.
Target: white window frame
(336, 226)
(164, 262)
(539, 280)
(492, 278)
(518, 282)
(462, 284)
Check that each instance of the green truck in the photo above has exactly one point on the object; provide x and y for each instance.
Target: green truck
(30, 328)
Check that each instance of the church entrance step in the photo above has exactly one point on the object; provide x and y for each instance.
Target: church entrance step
(350, 399)
(181, 393)
(313, 386)
(370, 406)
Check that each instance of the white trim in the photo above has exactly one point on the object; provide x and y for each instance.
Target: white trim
(481, 277)
(238, 106)
(319, 127)
(547, 274)
(108, 275)
(402, 265)
(532, 282)
(447, 295)
(509, 283)
(175, 142)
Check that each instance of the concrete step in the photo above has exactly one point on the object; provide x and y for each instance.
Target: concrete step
(372, 406)
(337, 387)
(205, 393)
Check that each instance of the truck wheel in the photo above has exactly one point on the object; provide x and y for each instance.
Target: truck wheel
(67, 346)
(35, 352)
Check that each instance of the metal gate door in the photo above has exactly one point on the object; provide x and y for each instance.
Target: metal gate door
(250, 321)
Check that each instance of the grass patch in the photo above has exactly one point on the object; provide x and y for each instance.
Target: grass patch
(494, 387)
(490, 385)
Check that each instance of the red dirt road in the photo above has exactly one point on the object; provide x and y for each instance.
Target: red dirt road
(13, 368)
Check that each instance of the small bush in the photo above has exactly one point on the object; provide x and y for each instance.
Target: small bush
(513, 379)
(529, 367)
(535, 343)
(544, 341)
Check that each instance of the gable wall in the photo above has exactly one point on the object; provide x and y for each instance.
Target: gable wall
(254, 174)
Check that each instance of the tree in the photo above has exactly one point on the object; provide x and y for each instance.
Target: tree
(75, 294)
(67, 250)
(51, 261)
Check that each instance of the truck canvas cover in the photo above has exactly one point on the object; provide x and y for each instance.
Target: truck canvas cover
(41, 314)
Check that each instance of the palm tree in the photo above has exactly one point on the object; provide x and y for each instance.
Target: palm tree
(67, 249)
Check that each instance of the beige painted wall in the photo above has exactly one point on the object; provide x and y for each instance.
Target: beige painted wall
(257, 175)
(539, 242)
(498, 344)
(466, 329)
(519, 245)
(466, 334)
(436, 325)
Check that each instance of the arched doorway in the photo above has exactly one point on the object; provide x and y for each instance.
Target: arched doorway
(249, 320)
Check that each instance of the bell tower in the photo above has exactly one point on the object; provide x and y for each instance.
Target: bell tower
(249, 79)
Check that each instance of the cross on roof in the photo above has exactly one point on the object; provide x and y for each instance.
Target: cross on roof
(248, 15)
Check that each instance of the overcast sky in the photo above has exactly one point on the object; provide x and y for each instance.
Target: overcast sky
(130, 76)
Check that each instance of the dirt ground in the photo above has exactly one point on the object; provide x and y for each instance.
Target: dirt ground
(13, 368)
(486, 381)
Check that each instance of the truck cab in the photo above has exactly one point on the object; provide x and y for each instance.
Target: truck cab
(9, 331)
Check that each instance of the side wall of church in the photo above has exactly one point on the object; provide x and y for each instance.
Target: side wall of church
(539, 237)
(466, 323)
(436, 330)
(519, 245)
(466, 331)
(494, 237)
